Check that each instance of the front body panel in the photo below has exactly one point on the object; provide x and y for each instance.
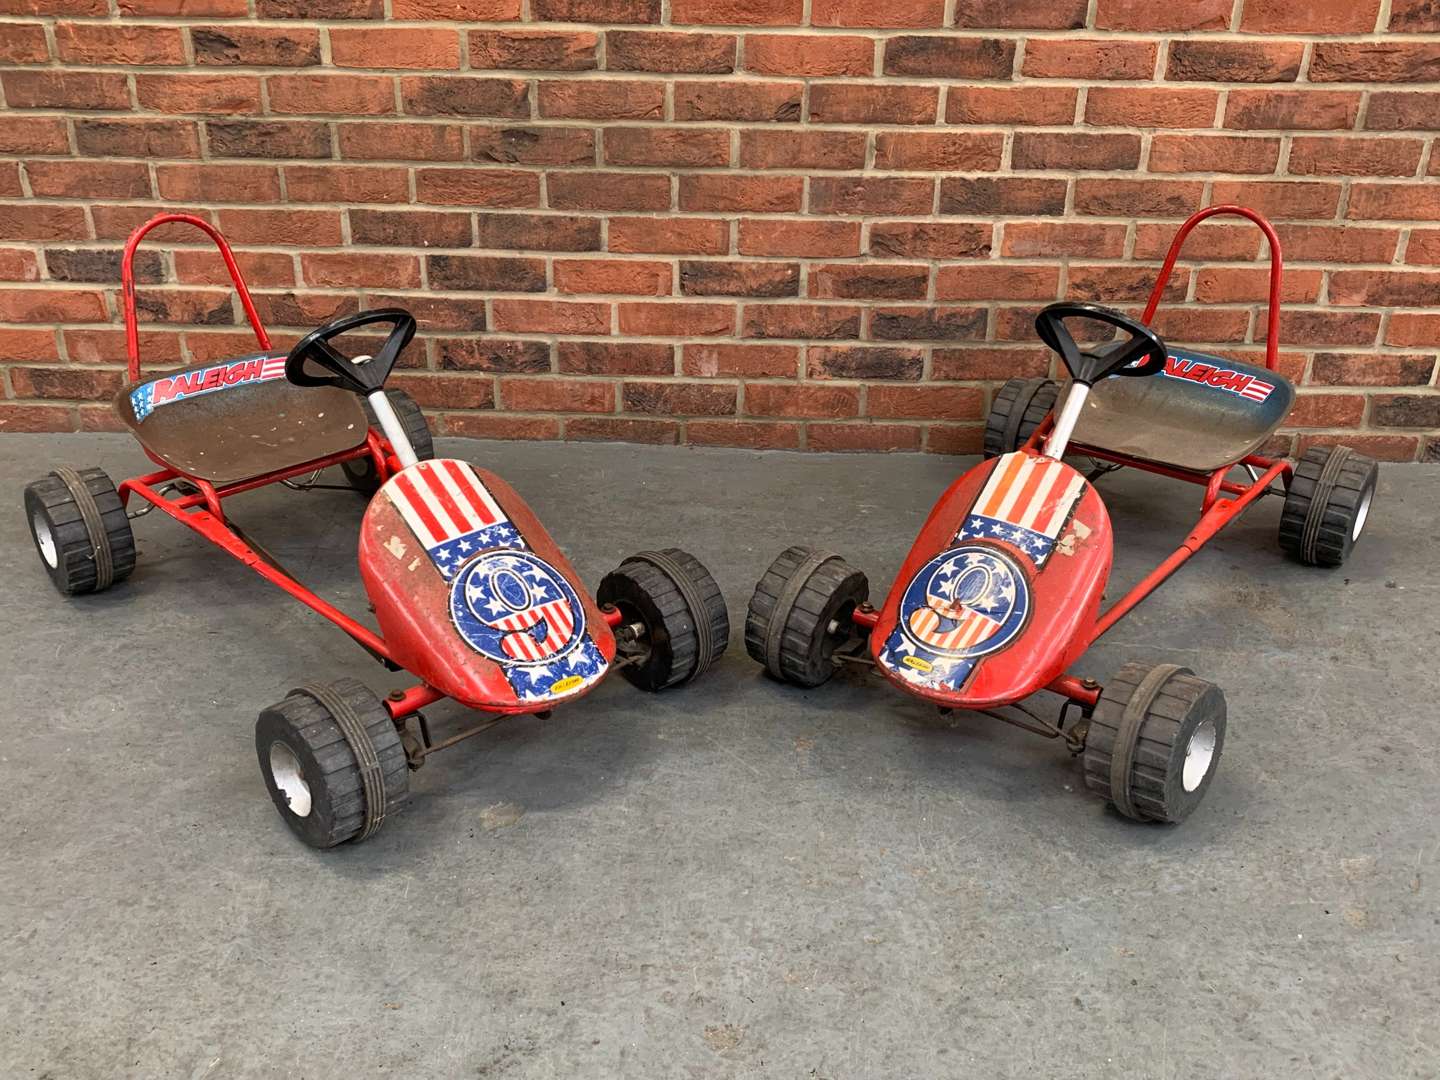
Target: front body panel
(473, 596)
(997, 595)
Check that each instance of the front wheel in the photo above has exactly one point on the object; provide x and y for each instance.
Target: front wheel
(673, 619)
(799, 615)
(80, 530)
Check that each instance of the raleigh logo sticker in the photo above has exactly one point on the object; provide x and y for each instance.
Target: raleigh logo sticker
(147, 398)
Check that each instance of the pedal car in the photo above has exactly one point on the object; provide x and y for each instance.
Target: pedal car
(471, 594)
(1001, 593)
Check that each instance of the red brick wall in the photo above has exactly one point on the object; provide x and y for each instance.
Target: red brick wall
(794, 223)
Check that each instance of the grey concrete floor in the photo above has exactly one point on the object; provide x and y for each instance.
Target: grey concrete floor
(738, 879)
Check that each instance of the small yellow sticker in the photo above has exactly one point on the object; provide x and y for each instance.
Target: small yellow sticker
(570, 682)
(917, 663)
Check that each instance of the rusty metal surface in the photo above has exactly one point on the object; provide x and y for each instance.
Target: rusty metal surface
(246, 430)
(1182, 422)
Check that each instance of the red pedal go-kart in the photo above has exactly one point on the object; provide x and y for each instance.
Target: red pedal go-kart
(471, 594)
(1001, 593)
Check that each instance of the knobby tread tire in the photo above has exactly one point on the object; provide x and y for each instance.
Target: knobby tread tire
(76, 569)
(328, 763)
(1330, 486)
(662, 593)
(805, 590)
(1019, 407)
(361, 471)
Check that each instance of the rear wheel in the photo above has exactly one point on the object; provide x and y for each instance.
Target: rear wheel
(80, 530)
(1017, 410)
(799, 615)
(361, 471)
(673, 620)
(332, 761)
(1327, 505)
(1154, 741)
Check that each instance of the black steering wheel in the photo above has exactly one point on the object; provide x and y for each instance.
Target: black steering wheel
(1143, 353)
(364, 377)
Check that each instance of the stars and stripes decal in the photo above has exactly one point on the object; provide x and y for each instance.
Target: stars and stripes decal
(147, 397)
(450, 512)
(1026, 502)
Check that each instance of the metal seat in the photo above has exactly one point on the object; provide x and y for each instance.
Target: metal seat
(231, 420)
(1202, 413)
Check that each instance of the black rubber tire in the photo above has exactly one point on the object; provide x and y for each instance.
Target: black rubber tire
(816, 623)
(1017, 410)
(1181, 706)
(648, 594)
(52, 512)
(327, 764)
(361, 471)
(1323, 533)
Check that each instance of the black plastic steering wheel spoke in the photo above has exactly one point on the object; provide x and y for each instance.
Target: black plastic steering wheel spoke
(1142, 353)
(361, 376)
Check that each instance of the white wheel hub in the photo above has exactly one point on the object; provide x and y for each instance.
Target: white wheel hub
(1361, 514)
(1199, 755)
(45, 540)
(285, 771)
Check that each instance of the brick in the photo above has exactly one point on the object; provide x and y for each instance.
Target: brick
(348, 95)
(1075, 150)
(634, 277)
(1317, 110)
(936, 151)
(602, 99)
(678, 398)
(83, 384)
(603, 11)
(737, 12)
(114, 222)
(1001, 195)
(459, 95)
(477, 187)
(36, 135)
(319, 9)
(34, 417)
(1235, 285)
(987, 281)
(925, 402)
(421, 48)
(1414, 17)
(1080, 58)
(604, 429)
(1325, 328)
(677, 320)
(674, 236)
(320, 228)
(1190, 323)
(1018, 105)
(929, 323)
(128, 137)
(1336, 243)
(1162, 15)
(930, 239)
(94, 180)
(194, 9)
(447, 391)
(348, 269)
(1381, 61)
(806, 238)
(533, 146)
(24, 43)
(812, 321)
(16, 264)
(1380, 447)
(1021, 14)
(543, 50)
(486, 274)
(1234, 61)
(715, 278)
(219, 183)
(133, 45)
(1409, 329)
(1423, 247)
(1280, 198)
(346, 183)
(708, 361)
(206, 94)
(410, 228)
(809, 55)
(31, 345)
(268, 268)
(197, 307)
(949, 57)
(859, 103)
(1213, 154)
(686, 54)
(55, 7)
(51, 305)
(802, 149)
(255, 46)
(954, 438)
(1394, 201)
(489, 425)
(65, 90)
(745, 434)
(303, 309)
(1384, 288)
(870, 195)
(1309, 17)
(801, 400)
(437, 312)
(10, 187)
(1354, 156)
(100, 266)
(868, 281)
(728, 192)
(268, 138)
(1326, 410)
(863, 437)
(1402, 111)
(608, 191)
(615, 358)
(1051, 239)
(386, 141)
(456, 10)
(990, 363)
(906, 13)
(679, 147)
(1139, 198)
(1370, 369)
(864, 362)
(763, 102)
(1123, 106)
(1118, 284)
(550, 317)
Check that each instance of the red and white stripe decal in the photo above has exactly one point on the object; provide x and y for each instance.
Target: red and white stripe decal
(443, 499)
(520, 644)
(273, 368)
(1033, 492)
(1256, 390)
(974, 627)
